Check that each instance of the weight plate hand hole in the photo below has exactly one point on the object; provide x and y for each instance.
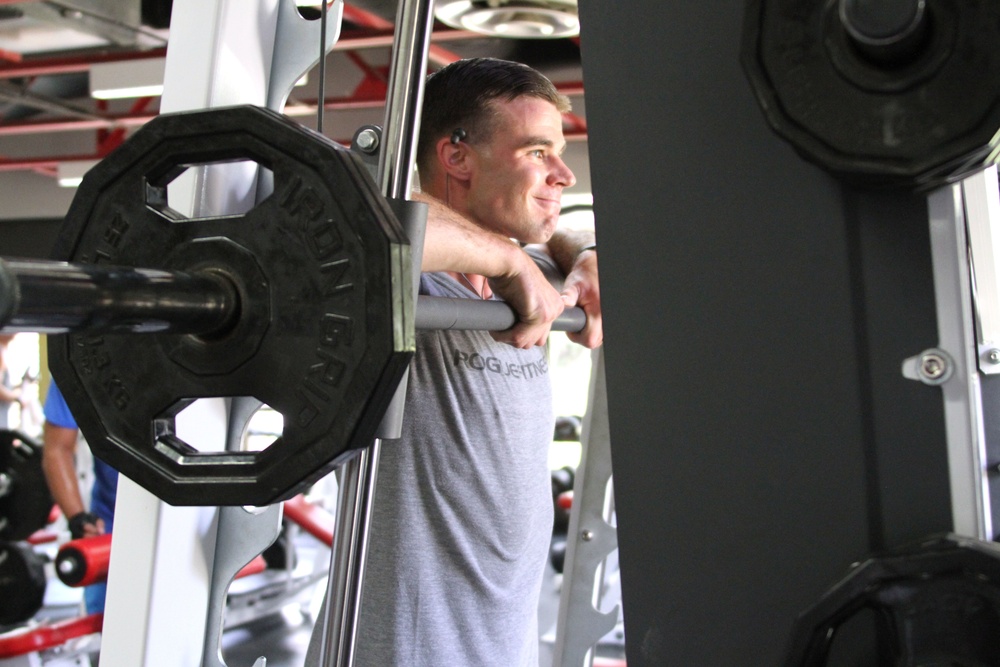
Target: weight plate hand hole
(179, 195)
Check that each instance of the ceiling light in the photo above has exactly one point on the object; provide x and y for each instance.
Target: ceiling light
(127, 78)
(525, 19)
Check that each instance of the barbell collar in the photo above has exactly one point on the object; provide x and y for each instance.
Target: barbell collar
(60, 297)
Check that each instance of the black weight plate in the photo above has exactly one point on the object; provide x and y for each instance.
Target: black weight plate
(26, 505)
(917, 124)
(323, 271)
(22, 582)
(936, 602)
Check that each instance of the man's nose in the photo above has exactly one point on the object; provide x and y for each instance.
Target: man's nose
(562, 175)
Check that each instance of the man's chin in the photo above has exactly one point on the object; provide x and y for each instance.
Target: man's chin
(541, 235)
(549, 227)
(537, 232)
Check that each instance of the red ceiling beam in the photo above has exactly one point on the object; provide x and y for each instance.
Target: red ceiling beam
(111, 122)
(378, 32)
(71, 64)
(349, 40)
(366, 19)
(53, 161)
(46, 163)
(74, 124)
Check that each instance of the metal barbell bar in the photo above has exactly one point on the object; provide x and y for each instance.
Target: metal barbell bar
(60, 297)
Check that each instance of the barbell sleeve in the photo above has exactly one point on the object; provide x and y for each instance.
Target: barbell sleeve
(59, 297)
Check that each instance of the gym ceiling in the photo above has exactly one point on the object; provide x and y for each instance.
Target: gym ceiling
(53, 51)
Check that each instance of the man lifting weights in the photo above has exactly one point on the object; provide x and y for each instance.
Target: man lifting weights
(463, 509)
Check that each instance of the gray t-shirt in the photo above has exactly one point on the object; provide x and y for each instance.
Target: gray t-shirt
(463, 507)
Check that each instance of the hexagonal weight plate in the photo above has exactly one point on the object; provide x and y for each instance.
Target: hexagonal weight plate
(925, 120)
(935, 602)
(25, 501)
(323, 272)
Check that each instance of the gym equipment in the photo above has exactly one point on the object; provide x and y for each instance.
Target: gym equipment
(562, 484)
(562, 491)
(63, 297)
(25, 501)
(320, 269)
(935, 602)
(900, 93)
(171, 561)
(313, 519)
(310, 290)
(568, 428)
(52, 636)
(22, 582)
(234, 42)
(589, 614)
(84, 561)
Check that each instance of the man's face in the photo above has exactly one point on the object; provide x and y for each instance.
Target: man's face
(517, 184)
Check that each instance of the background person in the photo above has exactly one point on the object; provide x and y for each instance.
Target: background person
(10, 394)
(60, 435)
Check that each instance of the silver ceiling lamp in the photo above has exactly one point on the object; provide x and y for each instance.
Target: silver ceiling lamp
(523, 19)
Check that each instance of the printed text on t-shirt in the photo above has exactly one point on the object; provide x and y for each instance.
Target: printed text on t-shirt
(478, 362)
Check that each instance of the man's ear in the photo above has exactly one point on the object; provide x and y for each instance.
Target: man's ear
(454, 158)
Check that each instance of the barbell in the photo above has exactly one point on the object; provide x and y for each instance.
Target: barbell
(303, 302)
(53, 297)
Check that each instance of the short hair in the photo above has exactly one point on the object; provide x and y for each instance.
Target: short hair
(462, 95)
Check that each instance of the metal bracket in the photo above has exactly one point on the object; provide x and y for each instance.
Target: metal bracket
(243, 533)
(367, 144)
(291, 61)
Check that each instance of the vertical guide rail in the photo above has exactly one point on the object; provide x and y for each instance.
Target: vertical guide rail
(590, 539)
(359, 474)
(981, 194)
(961, 390)
(404, 98)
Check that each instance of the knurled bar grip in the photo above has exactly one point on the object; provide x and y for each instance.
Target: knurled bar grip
(60, 297)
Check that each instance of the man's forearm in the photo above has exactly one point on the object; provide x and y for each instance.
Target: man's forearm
(566, 245)
(454, 243)
(59, 466)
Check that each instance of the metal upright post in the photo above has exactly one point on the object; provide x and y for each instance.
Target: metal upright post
(163, 575)
(591, 537)
(162, 556)
(957, 376)
(965, 244)
(414, 20)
